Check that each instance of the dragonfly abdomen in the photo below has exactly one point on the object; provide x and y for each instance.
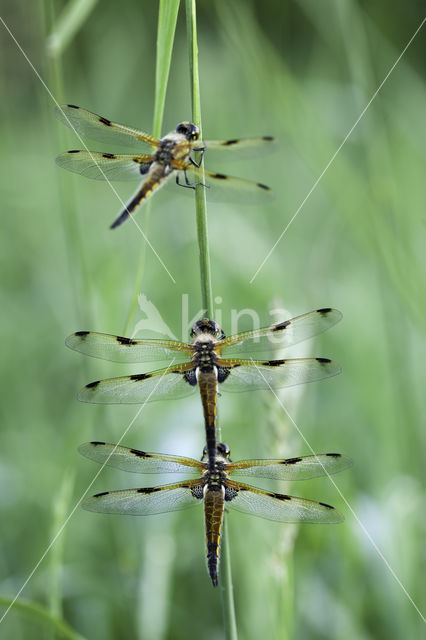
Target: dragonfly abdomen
(213, 511)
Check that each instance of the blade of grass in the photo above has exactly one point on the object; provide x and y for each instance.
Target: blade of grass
(72, 17)
(37, 613)
(226, 588)
(167, 17)
(200, 193)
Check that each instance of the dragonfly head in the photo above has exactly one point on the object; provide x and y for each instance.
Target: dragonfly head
(207, 326)
(222, 450)
(189, 130)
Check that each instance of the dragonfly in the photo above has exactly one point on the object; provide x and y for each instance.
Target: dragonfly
(169, 155)
(214, 487)
(210, 362)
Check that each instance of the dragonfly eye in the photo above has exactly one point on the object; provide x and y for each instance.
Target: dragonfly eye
(223, 450)
(189, 130)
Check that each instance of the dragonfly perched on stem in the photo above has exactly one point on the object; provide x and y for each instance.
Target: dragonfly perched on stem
(209, 362)
(214, 487)
(170, 155)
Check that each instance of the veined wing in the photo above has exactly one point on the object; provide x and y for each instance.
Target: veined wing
(243, 147)
(301, 468)
(146, 501)
(105, 166)
(246, 375)
(221, 187)
(138, 461)
(96, 127)
(120, 349)
(270, 340)
(140, 388)
(280, 507)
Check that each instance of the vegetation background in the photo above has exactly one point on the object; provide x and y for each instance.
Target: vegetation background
(301, 70)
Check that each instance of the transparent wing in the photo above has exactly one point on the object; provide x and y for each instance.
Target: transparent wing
(237, 148)
(270, 340)
(280, 507)
(105, 166)
(301, 468)
(145, 502)
(275, 374)
(139, 388)
(96, 127)
(138, 461)
(120, 349)
(221, 187)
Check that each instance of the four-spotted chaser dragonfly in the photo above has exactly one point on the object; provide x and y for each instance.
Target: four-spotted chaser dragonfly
(210, 360)
(214, 487)
(172, 155)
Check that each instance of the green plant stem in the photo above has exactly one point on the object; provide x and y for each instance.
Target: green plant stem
(200, 192)
(226, 585)
(167, 17)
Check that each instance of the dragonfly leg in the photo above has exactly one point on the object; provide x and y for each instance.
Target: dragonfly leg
(188, 184)
(192, 161)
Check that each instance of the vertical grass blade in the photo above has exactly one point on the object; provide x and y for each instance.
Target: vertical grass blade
(167, 17)
(200, 193)
(226, 585)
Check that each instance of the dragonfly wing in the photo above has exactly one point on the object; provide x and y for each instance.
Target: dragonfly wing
(223, 188)
(243, 148)
(271, 340)
(147, 501)
(274, 374)
(301, 468)
(105, 166)
(139, 388)
(279, 507)
(120, 349)
(95, 127)
(138, 461)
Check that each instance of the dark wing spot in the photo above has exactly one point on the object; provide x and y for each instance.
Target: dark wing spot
(96, 442)
(74, 151)
(190, 376)
(198, 491)
(105, 121)
(98, 495)
(280, 496)
(139, 376)
(148, 489)
(291, 460)
(323, 360)
(274, 363)
(228, 143)
(139, 454)
(92, 385)
(324, 504)
(324, 311)
(82, 334)
(220, 176)
(263, 186)
(109, 155)
(281, 325)
(125, 341)
(334, 455)
(222, 373)
(72, 106)
(268, 138)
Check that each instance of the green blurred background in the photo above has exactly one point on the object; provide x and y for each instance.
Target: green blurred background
(303, 71)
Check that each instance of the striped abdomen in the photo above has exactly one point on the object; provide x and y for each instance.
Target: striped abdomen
(156, 178)
(207, 382)
(214, 502)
